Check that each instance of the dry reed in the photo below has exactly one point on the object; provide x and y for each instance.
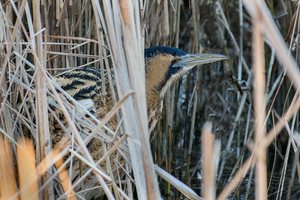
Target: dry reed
(40, 39)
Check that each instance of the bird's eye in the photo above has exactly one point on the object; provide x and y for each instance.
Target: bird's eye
(174, 61)
(173, 67)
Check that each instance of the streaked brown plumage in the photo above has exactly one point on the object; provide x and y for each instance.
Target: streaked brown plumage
(160, 64)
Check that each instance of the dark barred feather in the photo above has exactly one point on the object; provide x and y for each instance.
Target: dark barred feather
(80, 83)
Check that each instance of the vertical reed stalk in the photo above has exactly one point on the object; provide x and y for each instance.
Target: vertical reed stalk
(259, 106)
(133, 47)
(43, 134)
(208, 186)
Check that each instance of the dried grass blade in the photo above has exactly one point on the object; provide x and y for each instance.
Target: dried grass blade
(180, 186)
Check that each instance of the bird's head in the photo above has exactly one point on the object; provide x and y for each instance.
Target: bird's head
(162, 62)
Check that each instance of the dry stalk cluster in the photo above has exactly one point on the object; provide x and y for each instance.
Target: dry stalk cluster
(252, 136)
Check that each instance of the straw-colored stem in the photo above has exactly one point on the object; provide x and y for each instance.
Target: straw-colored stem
(208, 186)
(43, 134)
(259, 106)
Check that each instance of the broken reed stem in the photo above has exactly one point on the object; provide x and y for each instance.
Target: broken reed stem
(28, 178)
(259, 105)
(208, 162)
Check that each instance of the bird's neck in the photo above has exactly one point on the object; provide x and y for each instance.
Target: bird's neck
(156, 71)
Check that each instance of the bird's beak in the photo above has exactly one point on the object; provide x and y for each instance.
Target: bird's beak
(186, 63)
(190, 60)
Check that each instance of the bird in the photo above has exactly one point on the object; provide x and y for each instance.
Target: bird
(161, 63)
(91, 85)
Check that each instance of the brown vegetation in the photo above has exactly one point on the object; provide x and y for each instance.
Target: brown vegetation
(249, 147)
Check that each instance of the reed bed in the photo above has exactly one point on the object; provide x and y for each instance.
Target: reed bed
(228, 130)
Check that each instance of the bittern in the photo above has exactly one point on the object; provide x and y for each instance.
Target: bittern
(161, 63)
